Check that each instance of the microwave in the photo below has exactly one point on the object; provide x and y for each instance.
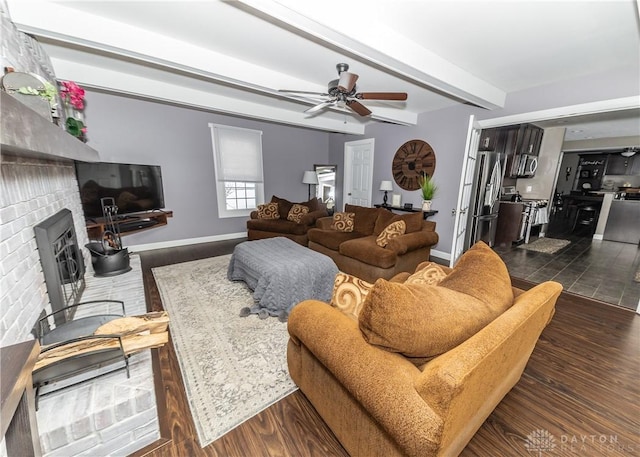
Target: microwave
(527, 166)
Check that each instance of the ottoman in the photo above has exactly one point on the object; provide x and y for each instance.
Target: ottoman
(281, 273)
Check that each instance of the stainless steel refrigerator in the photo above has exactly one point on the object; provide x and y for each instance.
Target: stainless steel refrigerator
(485, 198)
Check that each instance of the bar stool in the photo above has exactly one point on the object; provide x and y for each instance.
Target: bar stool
(586, 216)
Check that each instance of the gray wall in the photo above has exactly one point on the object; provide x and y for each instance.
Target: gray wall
(178, 139)
(445, 130)
(129, 130)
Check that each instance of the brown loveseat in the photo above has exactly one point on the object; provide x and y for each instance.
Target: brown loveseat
(260, 228)
(421, 366)
(356, 252)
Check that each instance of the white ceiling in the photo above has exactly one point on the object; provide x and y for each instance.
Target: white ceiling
(234, 56)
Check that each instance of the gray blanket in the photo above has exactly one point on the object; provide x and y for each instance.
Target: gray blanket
(281, 274)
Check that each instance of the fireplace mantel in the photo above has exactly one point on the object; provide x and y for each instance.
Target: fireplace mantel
(24, 132)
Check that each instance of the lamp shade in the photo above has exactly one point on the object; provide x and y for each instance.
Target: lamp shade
(310, 177)
(386, 185)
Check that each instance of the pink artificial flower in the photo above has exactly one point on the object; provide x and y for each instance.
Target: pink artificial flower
(73, 94)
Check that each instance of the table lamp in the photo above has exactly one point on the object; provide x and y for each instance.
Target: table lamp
(310, 177)
(386, 186)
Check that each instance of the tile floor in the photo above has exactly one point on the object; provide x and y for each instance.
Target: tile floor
(603, 270)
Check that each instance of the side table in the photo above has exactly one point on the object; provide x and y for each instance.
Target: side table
(425, 214)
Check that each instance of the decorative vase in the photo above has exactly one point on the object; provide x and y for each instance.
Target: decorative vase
(75, 122)
(426, 205)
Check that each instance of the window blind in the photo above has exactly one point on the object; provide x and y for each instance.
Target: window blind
(238, 153)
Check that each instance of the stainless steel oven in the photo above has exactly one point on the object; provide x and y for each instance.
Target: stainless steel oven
(535, 214)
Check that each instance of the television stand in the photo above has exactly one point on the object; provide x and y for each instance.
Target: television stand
(128, 223)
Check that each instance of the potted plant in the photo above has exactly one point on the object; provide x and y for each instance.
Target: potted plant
(428, 188)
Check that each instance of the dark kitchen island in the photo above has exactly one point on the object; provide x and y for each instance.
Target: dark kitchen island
(623, 222)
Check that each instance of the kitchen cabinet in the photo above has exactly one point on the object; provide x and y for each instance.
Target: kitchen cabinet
(519, 140)
(530, 138)
(509, 223)
(488, 139)
(620, 165)
(510, 146)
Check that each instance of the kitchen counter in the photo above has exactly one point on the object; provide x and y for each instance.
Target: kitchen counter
(622, 222)
(583, 198)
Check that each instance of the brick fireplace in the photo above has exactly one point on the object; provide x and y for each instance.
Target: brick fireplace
(32, 190)
(111, 414)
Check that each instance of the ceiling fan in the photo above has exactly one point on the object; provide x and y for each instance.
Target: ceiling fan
(342, 92)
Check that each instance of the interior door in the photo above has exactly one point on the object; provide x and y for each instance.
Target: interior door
(461, 212)
(358, 172)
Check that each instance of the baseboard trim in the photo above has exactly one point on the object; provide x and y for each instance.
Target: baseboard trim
(598, 237)
(186, 242)
(440, 255)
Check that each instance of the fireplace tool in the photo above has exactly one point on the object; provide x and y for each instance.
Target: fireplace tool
(111, 235)
(108, 257)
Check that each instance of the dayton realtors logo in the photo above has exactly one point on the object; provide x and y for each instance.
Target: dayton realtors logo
(542, 442)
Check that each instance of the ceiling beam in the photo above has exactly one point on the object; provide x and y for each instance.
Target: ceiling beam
(365, 36)
(126, 83)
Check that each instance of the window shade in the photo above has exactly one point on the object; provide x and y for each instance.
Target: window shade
(238, 153)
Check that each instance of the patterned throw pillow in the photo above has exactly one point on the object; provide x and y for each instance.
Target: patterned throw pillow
(430, 275)
(268, 211)
(349, 293)
(343, 222)
(297, 212)
(393, 230)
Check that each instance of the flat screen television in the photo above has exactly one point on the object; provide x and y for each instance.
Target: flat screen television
(133, 188)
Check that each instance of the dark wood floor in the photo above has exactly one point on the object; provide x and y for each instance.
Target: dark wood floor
(581, 386)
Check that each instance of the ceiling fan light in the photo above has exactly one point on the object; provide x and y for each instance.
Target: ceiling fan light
(347, 81)
(629, 152)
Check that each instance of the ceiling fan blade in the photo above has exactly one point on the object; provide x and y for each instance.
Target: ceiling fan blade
(320, 106)
(358, 107)
(347, 81)
(381, 96)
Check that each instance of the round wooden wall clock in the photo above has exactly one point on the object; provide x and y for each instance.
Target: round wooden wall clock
(413, 159)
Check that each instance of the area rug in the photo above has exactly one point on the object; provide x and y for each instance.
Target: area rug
(232, 367)
(546, 245)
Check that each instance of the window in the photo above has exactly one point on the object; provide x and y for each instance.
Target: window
(237, 158)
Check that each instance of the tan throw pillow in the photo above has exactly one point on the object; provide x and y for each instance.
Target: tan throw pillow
(297, 212)
(481, 273)
(268, 211)
(343, 222)
(429, 275)
(419, 321)
(424, 321)
(393, 230)
(349, 294)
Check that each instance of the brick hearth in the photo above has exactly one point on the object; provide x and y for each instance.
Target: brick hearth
(111, 414)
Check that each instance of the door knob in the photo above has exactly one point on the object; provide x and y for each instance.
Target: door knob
(349, 194)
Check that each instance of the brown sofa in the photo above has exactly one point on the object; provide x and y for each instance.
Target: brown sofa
(357, 253)
(258, 229)
(362, 372)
